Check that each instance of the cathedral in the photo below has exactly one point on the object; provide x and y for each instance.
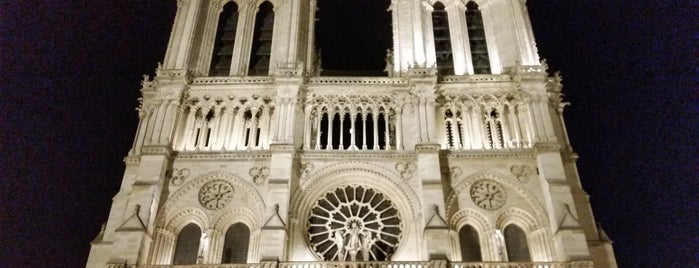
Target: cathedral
(248, 153)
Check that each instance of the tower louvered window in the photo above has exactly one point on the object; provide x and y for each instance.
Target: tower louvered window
(262, 40)
(476, 35)
(225, 40)
(442, 40)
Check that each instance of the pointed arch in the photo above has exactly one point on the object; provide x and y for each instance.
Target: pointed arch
(516, 244)
(469, 240)
(236, 244)
(187, 245)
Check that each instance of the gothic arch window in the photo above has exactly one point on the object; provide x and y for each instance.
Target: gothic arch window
(453, 128)
(470, 244)
(442, 40)
(476, 36)
(236, 243)
(187, 247)
(516, 244)
(202, 131)
(225, 41)
(493, 128)
(261, 50)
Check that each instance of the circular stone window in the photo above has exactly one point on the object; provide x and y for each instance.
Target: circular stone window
(216, 194)
(488, 194)
(354, 223)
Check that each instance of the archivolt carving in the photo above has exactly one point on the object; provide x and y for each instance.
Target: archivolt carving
(367, 173)
(237, 214)
(351, 103)
(516, 216)
(509, 99)
(185, 216)
(472, 217)
(513, 184)
(207, 103)
(193, 185)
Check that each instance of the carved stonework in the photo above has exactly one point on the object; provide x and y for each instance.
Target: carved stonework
(522, 172)
(216, 194)
(259, 174)
(455, 172)
(406, 169)
(488, 194)
(306, 168)
(179, 176)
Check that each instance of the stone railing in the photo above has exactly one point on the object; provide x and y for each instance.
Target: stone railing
(376, 264)
(573, 264)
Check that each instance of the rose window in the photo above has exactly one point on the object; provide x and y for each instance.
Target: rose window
(354, 223)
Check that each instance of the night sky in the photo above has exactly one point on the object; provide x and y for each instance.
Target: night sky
(70, 80)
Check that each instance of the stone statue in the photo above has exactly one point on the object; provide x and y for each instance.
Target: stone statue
(354, 243)
(367, 242)
(340, 244)
(389, 62)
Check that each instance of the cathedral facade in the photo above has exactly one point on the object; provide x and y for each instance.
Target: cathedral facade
(248, 155)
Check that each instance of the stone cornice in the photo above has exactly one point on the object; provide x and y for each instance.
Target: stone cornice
(509, 153)
(132, 160)
(165, 150)
(542, 147)
(282, 148)
(344, 155)
(427, 147)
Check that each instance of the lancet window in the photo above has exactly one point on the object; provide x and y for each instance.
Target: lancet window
(351, 126)
(262, 40)
(239, 124)
(236, 243)
(225, 41)
(476, 36)
(442, 40)
(516, 244)
(187, 247)
(470, 244)
(454, 128)
(493, 128)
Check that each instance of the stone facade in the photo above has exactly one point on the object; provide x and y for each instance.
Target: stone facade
(402, 168)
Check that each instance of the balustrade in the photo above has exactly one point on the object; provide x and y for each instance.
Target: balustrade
(375, 264)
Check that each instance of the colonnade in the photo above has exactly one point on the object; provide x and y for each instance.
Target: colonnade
(361, 129)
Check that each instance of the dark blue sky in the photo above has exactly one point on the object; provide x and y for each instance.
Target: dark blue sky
(70, 79)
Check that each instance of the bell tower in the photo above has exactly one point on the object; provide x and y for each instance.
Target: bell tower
(248, 152)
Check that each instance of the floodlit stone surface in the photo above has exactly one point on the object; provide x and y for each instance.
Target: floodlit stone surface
(320, 168)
